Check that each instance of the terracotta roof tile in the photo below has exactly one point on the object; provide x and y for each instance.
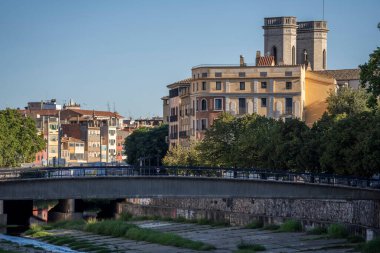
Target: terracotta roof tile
(266, 61)
(342, 74)
(96, 113)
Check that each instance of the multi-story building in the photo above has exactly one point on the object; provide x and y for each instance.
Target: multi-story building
(96, 128)
(72, 150)
(277, 86)
(120, 139)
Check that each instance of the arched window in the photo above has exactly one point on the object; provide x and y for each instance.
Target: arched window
(204, 105)
(274, 54)
(324, 58)
(293, 55)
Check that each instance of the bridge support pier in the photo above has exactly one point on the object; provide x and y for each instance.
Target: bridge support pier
(3, 216)
(15, 212)
(66, 209)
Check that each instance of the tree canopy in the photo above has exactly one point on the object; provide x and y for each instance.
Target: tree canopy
(370, 76)
(148, 144)
(19, 141)
(347, 101)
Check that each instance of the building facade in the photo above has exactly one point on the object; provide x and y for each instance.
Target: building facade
(282, 84)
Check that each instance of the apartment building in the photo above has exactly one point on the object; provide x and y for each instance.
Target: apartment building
(281, 84)
(72, 150)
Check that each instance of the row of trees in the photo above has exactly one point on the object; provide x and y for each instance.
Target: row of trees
(346, 140)
(19, 141)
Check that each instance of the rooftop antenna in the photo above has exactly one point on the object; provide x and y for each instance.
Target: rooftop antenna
(114, 107)
(108, 106)
(323, 10)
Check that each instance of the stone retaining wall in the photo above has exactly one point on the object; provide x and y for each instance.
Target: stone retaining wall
(357, 215)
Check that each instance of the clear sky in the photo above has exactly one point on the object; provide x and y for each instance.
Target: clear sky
(126, 52)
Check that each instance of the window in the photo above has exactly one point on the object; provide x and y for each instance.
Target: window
(218, 104)
(203, 124)
(242, 106)
(242, 85)
(218, 74)
(263, 85)
(274, 54)
(293, 55)
(218, 86)
(324, 58)
(289, 105)
(288, 85)
(204, 74)
(288, 73)
(241, 74)
(263, 102)
(112, 132)
(112, 142)
(263, 74)
(204, 105)
(203, 85)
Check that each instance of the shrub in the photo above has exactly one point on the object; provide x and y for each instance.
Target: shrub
(337, 231)
(271, 227)
(255, 224)
(291, 226)
(251, 246)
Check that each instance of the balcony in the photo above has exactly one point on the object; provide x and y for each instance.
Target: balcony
(173, 118)
(183, 134)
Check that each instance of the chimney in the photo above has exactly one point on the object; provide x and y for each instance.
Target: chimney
(242, 63)
(258, 55)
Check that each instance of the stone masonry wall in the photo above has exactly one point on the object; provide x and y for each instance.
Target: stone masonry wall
(357, 214)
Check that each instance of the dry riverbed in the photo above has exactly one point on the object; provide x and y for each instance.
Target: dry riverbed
(225, 239)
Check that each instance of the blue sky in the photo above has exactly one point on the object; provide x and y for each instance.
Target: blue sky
(126, 52)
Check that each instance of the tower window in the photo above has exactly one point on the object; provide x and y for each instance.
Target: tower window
(263, 85)
(204, 105)
(324, 58)
(293, 55)
(288, 85)
(263, 102)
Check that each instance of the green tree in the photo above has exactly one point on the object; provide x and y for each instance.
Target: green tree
(370, 77)
(19, 141)
(182, 156)
(148, 144)
(351, 146)
(347, 100)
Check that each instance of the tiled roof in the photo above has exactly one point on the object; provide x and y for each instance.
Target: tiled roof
(266, 61)
(342, 74)
(70, 139)
(183, 82)
(96, 113)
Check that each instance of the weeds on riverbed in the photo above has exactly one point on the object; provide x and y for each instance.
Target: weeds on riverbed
(372, 246)
(119, 228)
(245, 247)
(290, 226)
(255, 224)
(337, 231)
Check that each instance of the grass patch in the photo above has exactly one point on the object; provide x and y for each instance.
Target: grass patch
(8, 251)
(372, 246)
(290, 226)
(271, 227)
(254, 225)
(317, 231)
(119, 228)
(245, 247)
(37, 231)
(337, 231)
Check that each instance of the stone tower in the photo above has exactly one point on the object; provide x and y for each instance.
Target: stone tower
(312, 44)
(280, 39)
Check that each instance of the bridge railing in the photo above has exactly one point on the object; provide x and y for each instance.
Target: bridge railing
(194, 172)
